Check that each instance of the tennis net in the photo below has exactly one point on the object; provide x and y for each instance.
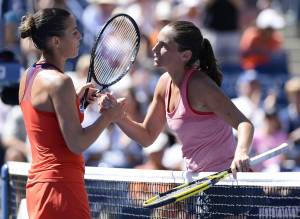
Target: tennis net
(120, 193)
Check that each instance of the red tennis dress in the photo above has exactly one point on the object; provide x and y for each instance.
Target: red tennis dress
(55, 186)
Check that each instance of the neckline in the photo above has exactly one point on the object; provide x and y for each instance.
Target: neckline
(187, 73)
(46, 64)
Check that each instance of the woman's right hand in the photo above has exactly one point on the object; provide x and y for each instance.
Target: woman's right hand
(112, 108)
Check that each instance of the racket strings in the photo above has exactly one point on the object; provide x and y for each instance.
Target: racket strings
(108, 43)
(118, 56)
(114, 54)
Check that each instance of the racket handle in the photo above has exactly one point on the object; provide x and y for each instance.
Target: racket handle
(268, 154)
(84, 103)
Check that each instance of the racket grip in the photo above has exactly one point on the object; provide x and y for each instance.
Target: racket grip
(268, 154)
(84, 103)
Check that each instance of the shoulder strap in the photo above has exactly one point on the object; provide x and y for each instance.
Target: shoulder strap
(31, 73)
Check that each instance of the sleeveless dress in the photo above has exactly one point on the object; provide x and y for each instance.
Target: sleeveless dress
(207, 140)
(55, 186)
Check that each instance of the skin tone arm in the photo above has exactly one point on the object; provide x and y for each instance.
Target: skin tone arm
(77, 138)
(53, 91)
(216, 101)
(146, 132)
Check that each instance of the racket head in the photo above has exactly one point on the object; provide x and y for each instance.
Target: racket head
(115, 50)
(185, 190)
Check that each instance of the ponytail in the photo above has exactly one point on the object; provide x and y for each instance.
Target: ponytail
(208, 62)
(189, 37)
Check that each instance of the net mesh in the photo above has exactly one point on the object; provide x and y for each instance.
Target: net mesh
(120, 193)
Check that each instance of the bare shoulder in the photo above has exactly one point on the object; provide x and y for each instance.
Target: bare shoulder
(162, 84)
(203, 89)
(56, 81)
(201, 81)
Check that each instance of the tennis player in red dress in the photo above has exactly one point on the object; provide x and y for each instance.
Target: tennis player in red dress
(50, 105)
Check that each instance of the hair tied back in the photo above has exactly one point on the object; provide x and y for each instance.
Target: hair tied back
(27, 26)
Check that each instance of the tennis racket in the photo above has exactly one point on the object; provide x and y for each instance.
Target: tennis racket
(113, 53)
(192, 188)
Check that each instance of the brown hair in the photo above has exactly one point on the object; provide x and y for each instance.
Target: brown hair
(189, 37)
(44, 24)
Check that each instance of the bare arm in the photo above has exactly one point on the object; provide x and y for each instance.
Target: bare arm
(146, 132)
(63, 97)
(216, 101)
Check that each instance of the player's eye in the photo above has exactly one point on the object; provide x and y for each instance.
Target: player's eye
(75, 33)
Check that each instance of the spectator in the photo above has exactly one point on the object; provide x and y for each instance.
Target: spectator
(263, 42)
(4, 111)
(12, 18)
(267, 137)
(221, 19)
(291, 114)
(7, 98)
(142, 12)
(290, 117)
(172, 159)
(155, 153)
(94, 17)
(15, 138)
(124, 152)
(249, 97)
(163, 16)
(248, 14)
(189, 10)
(79, 77)
(42, 4)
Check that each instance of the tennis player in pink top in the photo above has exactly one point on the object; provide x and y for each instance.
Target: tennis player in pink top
(189, 99)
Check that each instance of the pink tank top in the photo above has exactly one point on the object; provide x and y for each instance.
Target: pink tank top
(207, 141)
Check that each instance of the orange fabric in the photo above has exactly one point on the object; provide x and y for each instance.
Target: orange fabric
(259, 49)
(57, 201)
(53, 164)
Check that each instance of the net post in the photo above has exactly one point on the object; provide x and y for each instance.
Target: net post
(4, 192)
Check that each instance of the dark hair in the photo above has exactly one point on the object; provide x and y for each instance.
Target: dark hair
(44, 24)
(189, 37)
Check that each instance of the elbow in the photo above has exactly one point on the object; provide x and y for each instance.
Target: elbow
(251, 126)
(147, 143)
(75, 148)
(76, 151)
(247, 125)
(147, 140)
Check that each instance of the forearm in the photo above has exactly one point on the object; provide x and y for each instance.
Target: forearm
(244, 135)
(136, 131)
(86, 136)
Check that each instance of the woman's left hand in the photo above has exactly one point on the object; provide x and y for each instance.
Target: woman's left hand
(240, 163)
(92, 93)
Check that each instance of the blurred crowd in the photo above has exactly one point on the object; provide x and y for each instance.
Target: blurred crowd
(246, 35)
